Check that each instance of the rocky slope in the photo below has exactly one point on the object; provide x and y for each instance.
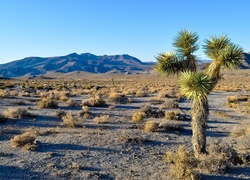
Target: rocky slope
(33, 66)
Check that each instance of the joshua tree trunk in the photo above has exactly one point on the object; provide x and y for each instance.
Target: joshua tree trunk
(199, 117)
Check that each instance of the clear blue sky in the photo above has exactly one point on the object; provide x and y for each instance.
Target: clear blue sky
(141, 28)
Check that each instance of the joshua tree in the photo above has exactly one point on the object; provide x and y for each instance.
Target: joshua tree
(197, 86)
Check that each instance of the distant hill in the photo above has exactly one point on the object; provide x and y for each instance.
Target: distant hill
(35, 66)
(246, 62)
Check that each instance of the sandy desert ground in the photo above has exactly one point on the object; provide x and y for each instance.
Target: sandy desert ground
(105, 143)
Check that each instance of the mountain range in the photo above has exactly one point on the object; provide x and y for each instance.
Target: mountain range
(85, 62)
(35, 66)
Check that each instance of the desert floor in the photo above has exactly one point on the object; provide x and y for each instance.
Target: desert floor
(119, 148)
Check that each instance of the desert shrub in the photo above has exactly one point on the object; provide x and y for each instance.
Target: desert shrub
(156, 100)
(183, 164)
(170, 126)
(95, 101)
(138, 116)
(85, 109)
(103, 119)
(47, 102)
(39, 132)
(242, 130)
(16, 113)
(25, 141)
(130, 91)
(221, 114)
(33, 131)
(14, 93)
(141, 93)
(243, 144)
(151, 126)
(242, 133)
(63, 98)
(150, 112)
(132, 139)
(163, 94)
(219, 158)
(4, 93)
(231, 102)
(117, 98)
(170, 103)
(68, 120)
(172, 115)
(82, 114)
(71, 103)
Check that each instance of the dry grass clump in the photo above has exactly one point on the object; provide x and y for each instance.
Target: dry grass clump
(25, 141)
(63, 98)
(117, 98)
(71, 103)
(170, 103)
(48, 102)
(4, 93)
(150, 112)
(130, 91)
(172, 126)
(221, 114)
(183, 164)
(151, 126)
(138, 116)
(85, 109)
(95, 101)
(132, 139)
(242, 130)
(140, 93)
(172, 115)
(16, 113)
(40, 132)
(103, 119)
(219, 158)
(243, 134)
(231, 102)
(69, 120)
(85, 113)
(147, 112)
(238, 101)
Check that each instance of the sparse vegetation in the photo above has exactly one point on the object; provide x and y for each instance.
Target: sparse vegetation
(25, 141)
(143, 138)
(16, 113)
(183, 164)
(69, 120)
(138, 116)
(95, 101)
(103, 119)
(48, 102)
(151, 126)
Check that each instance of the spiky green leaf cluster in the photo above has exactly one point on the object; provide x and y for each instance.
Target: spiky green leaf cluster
(168, 63)
(223, 53)
(215, 45)
(186, 42)
(232, 56)
(195, 86)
